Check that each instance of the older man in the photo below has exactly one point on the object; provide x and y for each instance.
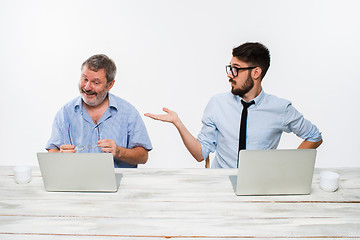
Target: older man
(98, 121)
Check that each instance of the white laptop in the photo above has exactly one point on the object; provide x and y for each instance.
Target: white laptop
(78, 172)
(275, 172)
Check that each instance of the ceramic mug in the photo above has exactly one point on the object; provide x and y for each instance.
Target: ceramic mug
(22, 174)
(329, 181)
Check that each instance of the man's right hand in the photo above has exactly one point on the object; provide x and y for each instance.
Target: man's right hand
(67, 149)
(191, 143)
(171, 116)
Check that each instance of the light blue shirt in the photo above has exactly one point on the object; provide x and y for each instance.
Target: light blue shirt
(266, 120)
(121, 122)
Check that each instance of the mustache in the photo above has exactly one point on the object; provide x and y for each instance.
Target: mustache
(89, 92)
(231, 80)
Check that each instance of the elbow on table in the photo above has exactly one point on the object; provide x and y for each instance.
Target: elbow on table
(319, 143)
(144, 158)
(199, 158)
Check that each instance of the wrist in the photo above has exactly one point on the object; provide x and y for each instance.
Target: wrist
(118, 152)
(177, 123)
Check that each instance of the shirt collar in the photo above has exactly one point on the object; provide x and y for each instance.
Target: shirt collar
(257, 99)
(78, 104)
(112, 103)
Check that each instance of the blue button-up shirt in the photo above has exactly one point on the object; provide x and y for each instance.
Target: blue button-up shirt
(121, 122)
(266, 120)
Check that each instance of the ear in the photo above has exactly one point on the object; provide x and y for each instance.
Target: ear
(110, 85)
(256, 73)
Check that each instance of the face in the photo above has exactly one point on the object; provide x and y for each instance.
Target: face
(243, 82)
(93, 86)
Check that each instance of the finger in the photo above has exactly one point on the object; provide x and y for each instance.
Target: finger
(105, 141)
(107, 150)
(67, 151)
(150, 115)
(102, 145)
(166, 110)
(154, 116)
(107, 145)
(67, 147)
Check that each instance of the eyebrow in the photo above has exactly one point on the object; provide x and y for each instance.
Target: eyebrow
(235, 64)
(95, 79)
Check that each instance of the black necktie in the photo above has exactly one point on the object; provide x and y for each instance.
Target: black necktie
(242, 136)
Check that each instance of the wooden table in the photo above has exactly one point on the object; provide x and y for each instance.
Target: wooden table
(177, 203)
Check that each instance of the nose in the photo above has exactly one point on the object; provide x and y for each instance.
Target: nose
(88, 86)
(229, 75)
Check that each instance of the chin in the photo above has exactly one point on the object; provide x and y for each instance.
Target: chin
(92, 103)
(238, 92)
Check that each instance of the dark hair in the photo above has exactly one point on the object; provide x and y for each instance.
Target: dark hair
(255, 54)
(101, 61)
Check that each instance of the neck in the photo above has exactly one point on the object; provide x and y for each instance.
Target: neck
(253, 93)
(96, 112)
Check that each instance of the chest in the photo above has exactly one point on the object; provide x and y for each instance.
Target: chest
(86, 129)
(259, 123)
(96, 114)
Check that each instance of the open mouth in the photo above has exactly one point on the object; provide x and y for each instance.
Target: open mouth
(88, 93)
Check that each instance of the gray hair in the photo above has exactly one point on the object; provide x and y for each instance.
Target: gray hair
(101, 61)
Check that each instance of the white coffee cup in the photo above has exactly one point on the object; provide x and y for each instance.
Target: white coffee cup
(329, 181)
(22, 174)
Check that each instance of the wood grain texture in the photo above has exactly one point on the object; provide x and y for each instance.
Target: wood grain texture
(177, 203)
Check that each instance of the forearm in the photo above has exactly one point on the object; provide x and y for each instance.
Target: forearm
(133, 156)
(190, 142)
(54, 150)
(310, 145)
(63, 149)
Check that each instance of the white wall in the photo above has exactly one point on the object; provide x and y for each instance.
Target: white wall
(172, 53)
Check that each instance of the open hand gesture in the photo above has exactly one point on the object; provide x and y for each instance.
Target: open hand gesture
(171, 116)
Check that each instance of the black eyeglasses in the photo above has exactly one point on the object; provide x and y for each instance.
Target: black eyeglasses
(234, 70)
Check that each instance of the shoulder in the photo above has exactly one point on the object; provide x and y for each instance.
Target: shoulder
(67, 111)
(73, 103)
(121, 104)
(220, 103)
(225, 95)
(70, 106)
(270, 99)
(223, 98)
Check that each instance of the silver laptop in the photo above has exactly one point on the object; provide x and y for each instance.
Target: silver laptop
(275, 172)
(78, 172)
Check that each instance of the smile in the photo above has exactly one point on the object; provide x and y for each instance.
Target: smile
(88, 93)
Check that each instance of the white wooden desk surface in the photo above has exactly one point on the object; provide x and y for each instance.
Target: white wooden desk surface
(177, 203)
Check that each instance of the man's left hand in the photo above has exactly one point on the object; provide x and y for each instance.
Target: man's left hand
(108, 145)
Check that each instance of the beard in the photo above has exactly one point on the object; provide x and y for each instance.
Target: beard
(247, 86)
(99, 97)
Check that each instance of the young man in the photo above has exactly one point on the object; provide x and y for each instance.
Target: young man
(98, 121)
(246, 118)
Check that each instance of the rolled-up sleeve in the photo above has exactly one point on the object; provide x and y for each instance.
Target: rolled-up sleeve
(295, 122)
(138, 136)
(57, 135)
(208, 135)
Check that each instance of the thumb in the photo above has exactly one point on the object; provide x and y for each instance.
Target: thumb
(166, 110)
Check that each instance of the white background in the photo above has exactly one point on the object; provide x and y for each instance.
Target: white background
(172, 53)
